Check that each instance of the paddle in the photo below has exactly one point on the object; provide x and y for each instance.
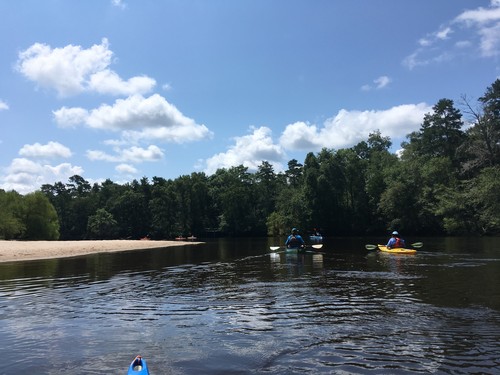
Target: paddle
(315, 246)
(415, 245)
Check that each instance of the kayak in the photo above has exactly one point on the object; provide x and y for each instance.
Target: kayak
(316, 238)
(399, 250)
(295, 250)
(138, 367)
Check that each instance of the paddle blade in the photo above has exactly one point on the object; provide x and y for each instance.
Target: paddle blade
(274, 248)
(417, 245)
(370, 247)
(317, 246)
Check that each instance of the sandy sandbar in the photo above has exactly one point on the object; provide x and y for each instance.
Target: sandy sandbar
(13, 251)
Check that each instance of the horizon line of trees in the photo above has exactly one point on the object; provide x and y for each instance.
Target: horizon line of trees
(445, 181)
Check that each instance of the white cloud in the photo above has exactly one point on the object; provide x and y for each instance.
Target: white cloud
(139, 118)
(3, 105)
(70, 117)
(118, 4)
(443, 33)
(344, 130)
(25, 176)
(126, 169)
(380, 83)
(348, 128)
(133, 154)
(72, 70)
(477, 27)
(47, 151)
(486, 22)
(301, 136)
(249, 151)
(108, 82)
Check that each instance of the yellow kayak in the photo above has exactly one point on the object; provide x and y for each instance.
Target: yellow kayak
(399, 250)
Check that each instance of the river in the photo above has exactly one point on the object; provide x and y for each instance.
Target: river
(231, 307)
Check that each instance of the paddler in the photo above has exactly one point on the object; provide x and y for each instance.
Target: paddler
(395, 241)
(294, 240)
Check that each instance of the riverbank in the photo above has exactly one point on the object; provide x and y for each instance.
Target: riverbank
(13, 251)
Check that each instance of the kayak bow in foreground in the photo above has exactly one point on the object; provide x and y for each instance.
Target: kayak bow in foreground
(138, 367)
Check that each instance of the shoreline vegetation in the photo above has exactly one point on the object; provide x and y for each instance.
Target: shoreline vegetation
(15, 251)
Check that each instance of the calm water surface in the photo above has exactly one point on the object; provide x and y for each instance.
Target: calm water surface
(229, 307)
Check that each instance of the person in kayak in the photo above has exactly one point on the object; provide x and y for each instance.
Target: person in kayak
(395, 241)
(294, 240)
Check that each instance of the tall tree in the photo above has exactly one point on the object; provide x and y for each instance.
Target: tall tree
(40, 218)
(232, 190)
(483, 144)
(266, 188)
(164, 208)
(440, 134)
(294, 173)
(12, 223)
(380, 163)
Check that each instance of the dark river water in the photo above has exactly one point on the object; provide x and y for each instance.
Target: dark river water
(230, 307)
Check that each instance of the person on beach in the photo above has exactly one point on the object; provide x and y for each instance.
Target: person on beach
(294, 240)
(395, 241)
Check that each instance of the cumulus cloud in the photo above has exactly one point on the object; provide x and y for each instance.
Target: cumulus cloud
(344, 130)
(72, 70)
(24, 175)
(133, 154)
(108, 82)
(475, 28)
(249, 150)
(348, 128)
(70, 117)
(126, 169)
(138, 118)
(3, 105)
(48, 151)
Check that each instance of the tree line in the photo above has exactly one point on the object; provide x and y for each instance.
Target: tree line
(444, 181)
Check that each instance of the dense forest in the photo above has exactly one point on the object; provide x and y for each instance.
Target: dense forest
(444, 181)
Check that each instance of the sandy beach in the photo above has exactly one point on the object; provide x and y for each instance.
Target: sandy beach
(13, 251)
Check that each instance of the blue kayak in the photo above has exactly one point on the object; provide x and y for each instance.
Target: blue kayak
(295, 250)
(138, 367)
(316, 238)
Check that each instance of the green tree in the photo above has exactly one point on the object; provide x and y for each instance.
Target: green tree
(40, 218)
(164, 207)
(201, 204)
(440, 134)
(102, 225)
(266, 187)
(380, 163)
(12, 225)
(483, 137)
(290, 207)
(234, 196)
(485, 196)
(294, 173)
(131, 212)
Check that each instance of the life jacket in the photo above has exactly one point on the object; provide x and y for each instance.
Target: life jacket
(399, 243)
(294, 242)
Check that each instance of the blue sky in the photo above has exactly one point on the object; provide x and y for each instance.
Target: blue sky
(125, 89)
